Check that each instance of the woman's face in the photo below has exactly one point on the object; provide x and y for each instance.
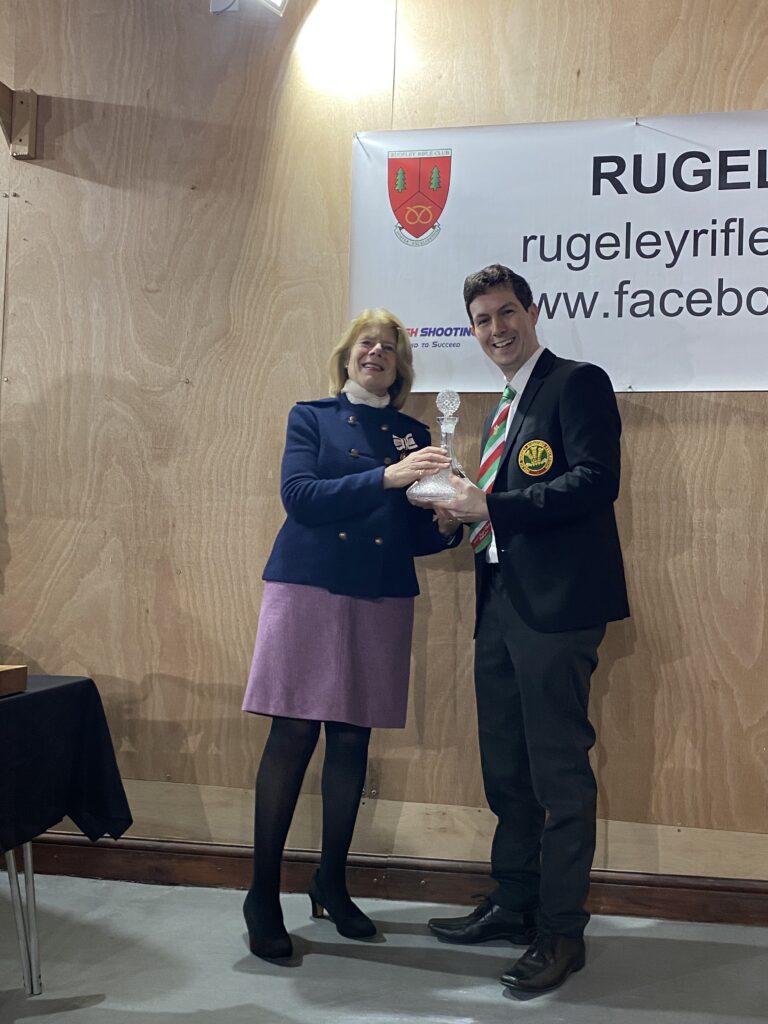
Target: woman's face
(373, 359)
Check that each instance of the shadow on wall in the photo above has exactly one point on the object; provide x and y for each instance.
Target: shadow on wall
(10, 655)
(439, 631)
(183, 748)
(131, 146)
(76, 138)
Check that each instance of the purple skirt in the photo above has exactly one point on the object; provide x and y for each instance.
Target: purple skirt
(331, 658)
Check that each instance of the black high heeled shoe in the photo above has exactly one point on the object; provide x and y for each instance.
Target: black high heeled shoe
(267, 936)
(349, 919)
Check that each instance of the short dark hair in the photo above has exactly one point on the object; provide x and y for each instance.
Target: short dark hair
(482, 281)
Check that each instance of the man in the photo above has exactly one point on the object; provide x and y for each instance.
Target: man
(549, 576)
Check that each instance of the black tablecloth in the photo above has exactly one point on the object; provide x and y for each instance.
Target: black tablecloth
(57, 759)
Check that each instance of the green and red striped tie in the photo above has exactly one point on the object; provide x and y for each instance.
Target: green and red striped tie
(480, 533)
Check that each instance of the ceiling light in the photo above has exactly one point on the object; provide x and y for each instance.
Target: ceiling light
(278, 6)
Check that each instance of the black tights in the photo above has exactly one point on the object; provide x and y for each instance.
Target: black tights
(289, 747)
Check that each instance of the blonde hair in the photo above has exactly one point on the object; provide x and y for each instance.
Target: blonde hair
(337, 365)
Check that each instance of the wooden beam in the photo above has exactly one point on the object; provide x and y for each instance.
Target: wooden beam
(24, 124)
(18, 116)
(6, 110)
(675, 897)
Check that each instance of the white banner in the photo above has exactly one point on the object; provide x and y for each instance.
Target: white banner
(645, 243)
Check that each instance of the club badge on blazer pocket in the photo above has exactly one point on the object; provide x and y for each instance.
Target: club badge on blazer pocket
(535, 458)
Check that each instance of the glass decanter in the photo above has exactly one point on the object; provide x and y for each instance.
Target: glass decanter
(440, 486)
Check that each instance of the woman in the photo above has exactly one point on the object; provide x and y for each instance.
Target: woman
(334, 635)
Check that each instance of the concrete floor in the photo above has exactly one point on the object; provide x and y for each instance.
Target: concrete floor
(119, 953)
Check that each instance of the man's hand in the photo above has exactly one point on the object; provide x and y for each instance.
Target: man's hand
(447, 523)
(469, 507)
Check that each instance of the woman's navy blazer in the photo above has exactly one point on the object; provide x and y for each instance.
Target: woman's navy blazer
(344, 532)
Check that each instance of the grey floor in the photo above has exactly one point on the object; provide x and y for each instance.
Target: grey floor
(118, 953)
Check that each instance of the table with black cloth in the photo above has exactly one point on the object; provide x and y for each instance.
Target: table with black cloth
(56, 760)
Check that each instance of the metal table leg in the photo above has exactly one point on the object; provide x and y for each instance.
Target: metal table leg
(31, 921)
(18, 913)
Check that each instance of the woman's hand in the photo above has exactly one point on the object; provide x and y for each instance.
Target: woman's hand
(424, 462)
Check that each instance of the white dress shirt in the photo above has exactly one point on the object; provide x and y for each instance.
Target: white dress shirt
(518, 382)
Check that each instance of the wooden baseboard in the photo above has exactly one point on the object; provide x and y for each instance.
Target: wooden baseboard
(675, 897)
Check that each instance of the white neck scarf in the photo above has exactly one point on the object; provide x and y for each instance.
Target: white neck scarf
(357, 395)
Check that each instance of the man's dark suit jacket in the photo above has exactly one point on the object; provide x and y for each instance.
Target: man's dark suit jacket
(556, 532)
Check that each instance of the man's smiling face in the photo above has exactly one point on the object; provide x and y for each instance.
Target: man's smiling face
(506, 331)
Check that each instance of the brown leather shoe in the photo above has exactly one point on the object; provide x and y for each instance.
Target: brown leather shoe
(546, 964)
(487, 921)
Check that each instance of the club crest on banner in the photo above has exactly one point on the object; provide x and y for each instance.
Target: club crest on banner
(418, 181)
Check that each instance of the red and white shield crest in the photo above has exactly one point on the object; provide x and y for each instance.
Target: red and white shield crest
(418, 191)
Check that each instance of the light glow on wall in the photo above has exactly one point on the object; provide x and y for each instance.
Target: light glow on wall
(346, 47)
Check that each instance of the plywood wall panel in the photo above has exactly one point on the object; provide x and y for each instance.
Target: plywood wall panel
(193, 263)
(177, 267)
(509, 61)
(7, 48)
(681, 698)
